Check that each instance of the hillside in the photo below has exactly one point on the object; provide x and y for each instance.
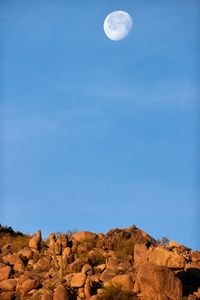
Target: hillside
(123, 264)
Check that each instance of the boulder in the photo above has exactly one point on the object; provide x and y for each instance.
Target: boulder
(158, 283)
(25, 253)
(165, 258)
(64, 240)
(52, 238)
(43, 263)
(4, 272)
(140, 253)
(8, 284)
(124, 281)
(87, 269)
(108, 274)
(15, 260)
(87, 289)
(94, 297)
(66, 252)
(83, 236)
(112, 262)
(81, 294)
(60, 293)
(8, 295)
(78, 280)
(172, 244)
(100, 236)
(35, 243)
(29, 285)
(47, 296)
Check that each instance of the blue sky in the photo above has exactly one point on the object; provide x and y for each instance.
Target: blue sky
(97, 134)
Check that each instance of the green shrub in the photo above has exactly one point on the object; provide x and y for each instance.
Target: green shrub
(124, 248)
(96, 258)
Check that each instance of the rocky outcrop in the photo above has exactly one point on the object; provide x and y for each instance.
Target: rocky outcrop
(140, 253)
(88, 266)
(83, 236)
(15, 261)
(35, 242)
(158, 283)
(165, 258)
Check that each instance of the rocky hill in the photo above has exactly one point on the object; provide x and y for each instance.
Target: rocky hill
(123, 264)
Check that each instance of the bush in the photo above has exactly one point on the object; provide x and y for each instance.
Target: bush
(96, 258)
(164, 241)
(124, 248)
(116, 293)
(9, 231)
(133, 228)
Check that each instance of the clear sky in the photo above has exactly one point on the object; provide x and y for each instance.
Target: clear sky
(97, 134)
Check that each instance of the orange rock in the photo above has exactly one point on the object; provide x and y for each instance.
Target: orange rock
(124, 281)
(4, 272)
(78, 280)
(29, 285)
(165, 258)
(60, 293)
(140, 253)
(8, 284)
(157, 282)
(83, 235)
(15, 260)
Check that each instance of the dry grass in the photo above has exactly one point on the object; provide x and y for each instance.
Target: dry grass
(16, 239)
(17, 242)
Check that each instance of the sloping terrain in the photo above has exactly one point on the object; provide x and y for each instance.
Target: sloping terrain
(123, 264)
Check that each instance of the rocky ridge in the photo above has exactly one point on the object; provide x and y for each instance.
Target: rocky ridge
(122, 264)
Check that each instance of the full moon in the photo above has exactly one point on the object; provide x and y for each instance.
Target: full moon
(117, 25)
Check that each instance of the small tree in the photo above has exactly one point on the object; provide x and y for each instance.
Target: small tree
(164, 241)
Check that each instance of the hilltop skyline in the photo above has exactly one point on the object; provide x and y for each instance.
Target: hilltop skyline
(98, 134)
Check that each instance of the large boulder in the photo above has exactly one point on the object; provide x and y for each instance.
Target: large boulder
(8, 284)
(4, 272)
(158, 283)
(43, 263)
(140, 253)
(108, 274)
(124, 281)
(78, 280)
(165, 258)
(15, 261)
(60, 293)
(25, 253)
(82, 236)
(87, 288)
(29, 285)
(35, 243)
(7, 295)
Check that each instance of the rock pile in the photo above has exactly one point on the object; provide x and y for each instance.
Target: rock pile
(122, 264)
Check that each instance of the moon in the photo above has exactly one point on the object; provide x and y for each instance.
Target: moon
(117, 25)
